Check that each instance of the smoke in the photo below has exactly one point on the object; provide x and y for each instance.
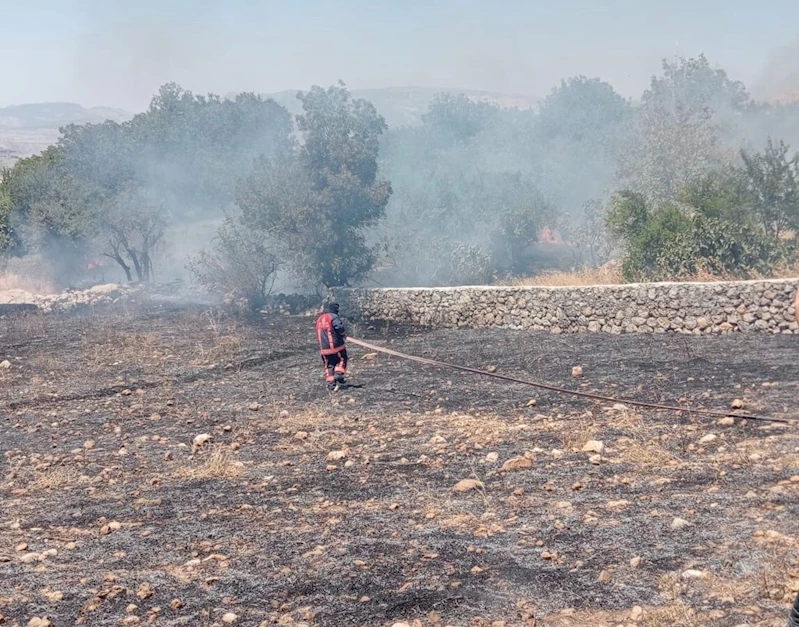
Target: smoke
(779, 79)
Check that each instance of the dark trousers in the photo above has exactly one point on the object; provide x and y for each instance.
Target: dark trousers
(335, 364)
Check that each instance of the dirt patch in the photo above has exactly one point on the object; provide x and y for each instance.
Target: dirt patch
(302, 508)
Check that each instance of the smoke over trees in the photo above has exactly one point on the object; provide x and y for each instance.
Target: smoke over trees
(695, 175)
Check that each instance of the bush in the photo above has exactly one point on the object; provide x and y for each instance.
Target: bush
(242, 264)
(679, 239)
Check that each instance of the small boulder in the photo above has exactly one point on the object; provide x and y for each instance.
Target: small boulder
(516, 463)
(200, 439)
(594, 446)
(465, 485)
(577, 371)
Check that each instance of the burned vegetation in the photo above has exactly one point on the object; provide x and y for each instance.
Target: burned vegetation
(175, 466)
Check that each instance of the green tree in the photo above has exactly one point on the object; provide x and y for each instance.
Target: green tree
(6, 228)
(772, 180)
(707, 229)
(322, 200)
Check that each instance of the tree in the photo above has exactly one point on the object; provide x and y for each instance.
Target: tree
(51, 211)
(243, 263)
(457, 118)
(321, 200)
(705, 230)
(6, 228)
(516, 213)
(590, 235)
(683, 128)
(582, 109)
(772, 180)
(134, 227)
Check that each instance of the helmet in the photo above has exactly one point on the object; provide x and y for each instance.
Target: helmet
(332, 306)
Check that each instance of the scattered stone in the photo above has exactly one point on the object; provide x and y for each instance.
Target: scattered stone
(492, 457)
(726, 421)
(334, 456)
(594, 446)
(301, 435)
(5, 365)
(89, 444)
(53, 596)
(437, 439)
(23, 546)
(465, 485)
(636, 612)
(491, 369)
(604, 576)
(708, 438)
(229, 618)
(577, 371)
(692, 574)
(635, 562)
(39, 622)
(176, 604)
(145, 591)
(516, 463)
(201, 439)
(114, 525)
(595, 459)
(531, 402)
(254, 406)
(679, 523)
(30, 558)
(737, 404)
(369, 356)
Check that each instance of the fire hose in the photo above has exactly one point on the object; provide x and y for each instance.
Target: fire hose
(561, 390)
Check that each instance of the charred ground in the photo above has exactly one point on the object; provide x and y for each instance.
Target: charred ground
(307, 508)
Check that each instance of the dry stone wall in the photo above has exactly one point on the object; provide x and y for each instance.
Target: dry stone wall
(698, 308)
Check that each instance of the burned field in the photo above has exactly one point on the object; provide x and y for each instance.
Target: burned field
(427, 496)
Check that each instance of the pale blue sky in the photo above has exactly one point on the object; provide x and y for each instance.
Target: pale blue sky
(117, 53)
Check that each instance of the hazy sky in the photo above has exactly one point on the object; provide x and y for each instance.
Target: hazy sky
(117, 53)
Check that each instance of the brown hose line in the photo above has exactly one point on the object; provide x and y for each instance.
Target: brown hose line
(559, 390)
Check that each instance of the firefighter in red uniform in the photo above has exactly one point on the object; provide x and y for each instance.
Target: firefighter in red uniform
(331, 335)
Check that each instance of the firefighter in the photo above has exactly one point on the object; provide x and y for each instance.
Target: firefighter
(331, 335)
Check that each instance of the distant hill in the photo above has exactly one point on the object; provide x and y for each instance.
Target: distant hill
(27, 129)
(404, 106)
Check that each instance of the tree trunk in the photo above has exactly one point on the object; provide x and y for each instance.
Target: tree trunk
(116, 257)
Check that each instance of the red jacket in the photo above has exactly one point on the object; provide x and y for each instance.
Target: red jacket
(330, 333)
